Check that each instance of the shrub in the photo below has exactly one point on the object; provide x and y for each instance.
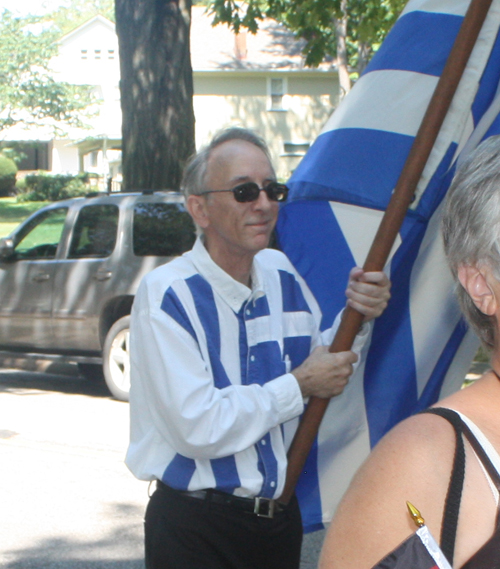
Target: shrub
(8, 171)
(43, 187)
(20, 185)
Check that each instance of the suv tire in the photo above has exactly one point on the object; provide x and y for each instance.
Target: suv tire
(116, 359)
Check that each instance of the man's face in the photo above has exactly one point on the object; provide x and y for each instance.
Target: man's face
(236, 230)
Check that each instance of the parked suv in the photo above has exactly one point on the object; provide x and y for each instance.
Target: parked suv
(69, 273)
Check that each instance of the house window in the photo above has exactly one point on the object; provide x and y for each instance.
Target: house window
(111, 53)
(84, 54)
(34, 155)
(277, 90)
(97, 53)
(296, 148)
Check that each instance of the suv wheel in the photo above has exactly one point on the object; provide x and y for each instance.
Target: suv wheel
(116, 359)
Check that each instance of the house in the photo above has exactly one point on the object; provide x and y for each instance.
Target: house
(258, 81)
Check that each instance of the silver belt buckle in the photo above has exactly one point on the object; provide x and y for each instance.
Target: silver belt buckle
(261, 501)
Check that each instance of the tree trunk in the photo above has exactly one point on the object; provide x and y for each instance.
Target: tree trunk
(364, 52)
(156, 92)
(342, 62)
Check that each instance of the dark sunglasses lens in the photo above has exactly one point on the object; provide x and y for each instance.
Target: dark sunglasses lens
(248, 192)
(276, 192)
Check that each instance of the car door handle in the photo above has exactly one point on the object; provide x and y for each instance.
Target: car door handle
(103, 275)
(41, 277)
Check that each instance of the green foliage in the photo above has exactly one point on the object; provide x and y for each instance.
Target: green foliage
(368, 21)
(13, 153)
(28, 92)
(8, 171)
(46, 187)
(482, 355)
(7, 167)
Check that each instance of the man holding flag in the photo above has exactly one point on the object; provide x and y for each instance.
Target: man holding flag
(225, 347)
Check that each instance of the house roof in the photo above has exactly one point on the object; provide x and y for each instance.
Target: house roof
(89, 23)
(273, 47)
(217, 48)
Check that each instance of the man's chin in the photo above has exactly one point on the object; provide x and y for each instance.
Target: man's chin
(261, 242)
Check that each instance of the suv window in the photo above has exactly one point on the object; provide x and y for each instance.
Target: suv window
(162, 229)
(95, 232)
(41, 236)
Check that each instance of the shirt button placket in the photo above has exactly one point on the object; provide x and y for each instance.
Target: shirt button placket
(251, 341)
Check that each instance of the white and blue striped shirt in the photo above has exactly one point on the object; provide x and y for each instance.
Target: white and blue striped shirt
(212, 402)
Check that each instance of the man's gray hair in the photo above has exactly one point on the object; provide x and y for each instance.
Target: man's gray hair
(193, 181)
(471, 226)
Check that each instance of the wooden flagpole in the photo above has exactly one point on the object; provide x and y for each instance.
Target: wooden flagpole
(391, 222)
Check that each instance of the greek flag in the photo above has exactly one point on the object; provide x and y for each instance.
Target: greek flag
(420, 349)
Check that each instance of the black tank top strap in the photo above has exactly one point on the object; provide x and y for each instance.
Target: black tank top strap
(488, 556)
(454, 495)
(482, 456)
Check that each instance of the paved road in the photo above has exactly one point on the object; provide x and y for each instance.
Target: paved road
(66, 499)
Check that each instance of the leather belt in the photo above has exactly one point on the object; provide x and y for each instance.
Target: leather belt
(261, 507)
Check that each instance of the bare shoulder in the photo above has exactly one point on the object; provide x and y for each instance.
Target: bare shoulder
(411, 463)
(411, 448)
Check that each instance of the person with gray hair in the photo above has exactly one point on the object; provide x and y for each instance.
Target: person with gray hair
(193, 181)
(471, 226)
(224, 347)
(446, 460)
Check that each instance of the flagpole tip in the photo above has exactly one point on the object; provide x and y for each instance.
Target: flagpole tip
(415, 515)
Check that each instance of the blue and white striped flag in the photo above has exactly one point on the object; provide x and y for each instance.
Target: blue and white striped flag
(420, 348)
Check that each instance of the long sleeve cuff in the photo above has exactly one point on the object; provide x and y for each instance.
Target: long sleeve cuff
(289, 400)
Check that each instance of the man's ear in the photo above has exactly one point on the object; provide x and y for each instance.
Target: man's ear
(196, 205)
(476, 281)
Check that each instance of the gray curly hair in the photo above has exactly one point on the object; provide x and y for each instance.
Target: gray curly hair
(193, 181)
(471, 226)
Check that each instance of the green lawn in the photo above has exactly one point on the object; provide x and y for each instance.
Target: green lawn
(13, 212)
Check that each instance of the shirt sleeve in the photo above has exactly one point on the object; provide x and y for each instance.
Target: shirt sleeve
(173, 392)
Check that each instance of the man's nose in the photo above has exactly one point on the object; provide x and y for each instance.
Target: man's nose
(263, 201)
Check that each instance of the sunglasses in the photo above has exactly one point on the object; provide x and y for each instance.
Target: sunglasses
(250, 191)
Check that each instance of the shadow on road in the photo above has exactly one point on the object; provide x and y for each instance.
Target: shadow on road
(120, 548)
(37, 376)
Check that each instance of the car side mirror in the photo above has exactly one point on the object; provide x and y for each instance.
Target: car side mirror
(6, 248)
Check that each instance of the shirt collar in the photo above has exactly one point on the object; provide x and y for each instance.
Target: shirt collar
(232, 291)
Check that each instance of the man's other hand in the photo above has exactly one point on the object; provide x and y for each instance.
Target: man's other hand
(368, 293)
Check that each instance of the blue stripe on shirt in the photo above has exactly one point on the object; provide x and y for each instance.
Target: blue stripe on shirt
(268, 466)
(224, 469)
(297, 349)
(172, 306)
(179, 472)
(293, 298)
(259, 364)
(206, 309)
(259, 307)
(225, 473)
(265, 363)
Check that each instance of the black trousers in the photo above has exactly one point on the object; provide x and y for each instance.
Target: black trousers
(189, 533)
